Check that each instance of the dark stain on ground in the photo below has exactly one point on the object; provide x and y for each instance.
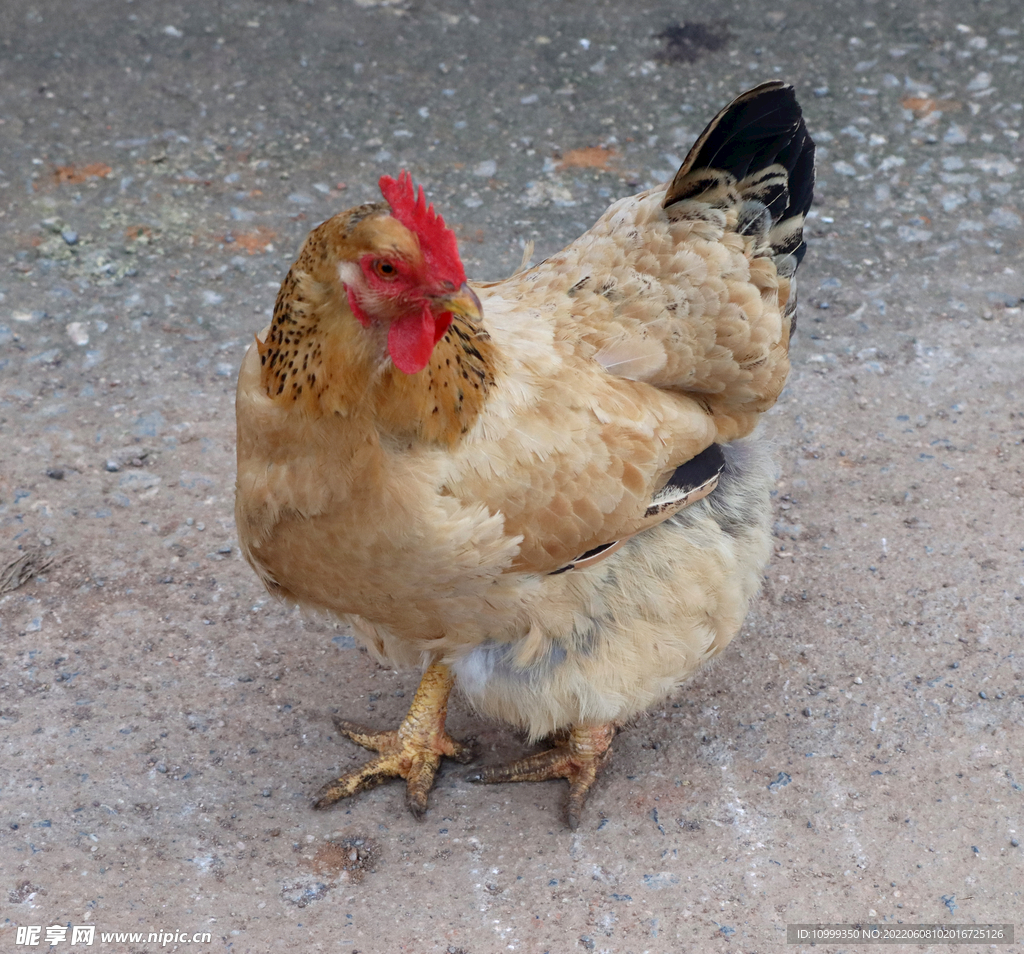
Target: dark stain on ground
(23, 891)
(689, 41)
(351, 858)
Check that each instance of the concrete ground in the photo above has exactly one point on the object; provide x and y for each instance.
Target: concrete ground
(856, 754)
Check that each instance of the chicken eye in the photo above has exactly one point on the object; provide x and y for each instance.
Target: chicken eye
(385, 269)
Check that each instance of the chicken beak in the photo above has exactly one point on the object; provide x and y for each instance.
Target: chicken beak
(463, 303)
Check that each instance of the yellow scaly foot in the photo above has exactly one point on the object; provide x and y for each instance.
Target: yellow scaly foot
(413, 751)
(578, 758)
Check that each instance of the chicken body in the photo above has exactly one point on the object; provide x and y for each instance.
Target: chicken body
(437, 510)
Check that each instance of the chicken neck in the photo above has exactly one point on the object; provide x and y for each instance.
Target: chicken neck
(320, 360)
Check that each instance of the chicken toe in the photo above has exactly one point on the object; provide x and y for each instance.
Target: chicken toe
(577, 758)
(413, 751)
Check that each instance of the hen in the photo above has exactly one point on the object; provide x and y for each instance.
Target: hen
(543, 489)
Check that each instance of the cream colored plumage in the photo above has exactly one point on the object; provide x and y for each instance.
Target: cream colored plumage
(435, 509)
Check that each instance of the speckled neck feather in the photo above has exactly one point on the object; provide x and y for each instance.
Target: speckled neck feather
(441, 402)
(320, 360)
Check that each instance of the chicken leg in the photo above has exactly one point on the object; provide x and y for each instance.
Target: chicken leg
(578, 757)
(413, 751)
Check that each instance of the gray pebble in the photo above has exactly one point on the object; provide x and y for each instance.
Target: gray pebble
(55, 473)
(1014, 842)
(955, 136)
(1004, 219)
(70, 236)
(792, 530)
(113, 466)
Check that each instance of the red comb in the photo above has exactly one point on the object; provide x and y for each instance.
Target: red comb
(437, 241)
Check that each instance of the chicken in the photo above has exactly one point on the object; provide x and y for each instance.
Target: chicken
(546, 490)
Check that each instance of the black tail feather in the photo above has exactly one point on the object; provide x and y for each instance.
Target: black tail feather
(762, 130)
(755, 154)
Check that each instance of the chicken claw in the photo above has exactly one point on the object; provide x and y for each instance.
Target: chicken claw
(577, 758)
(413, 751)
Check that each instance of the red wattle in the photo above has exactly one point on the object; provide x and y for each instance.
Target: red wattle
(411, 340)
(441, 323)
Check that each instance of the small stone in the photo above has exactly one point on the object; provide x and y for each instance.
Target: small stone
(780, 781)
(486, 168)
(858, 681)
(161, 768)
(907, 233)
(266, 793)
(981, 81)
(78, 333)
(55, 473)
(113, 466)
(955, 136)
(1004, 219)
(806, 712)
(1014, 842)
(981, 695)
(70, 236)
